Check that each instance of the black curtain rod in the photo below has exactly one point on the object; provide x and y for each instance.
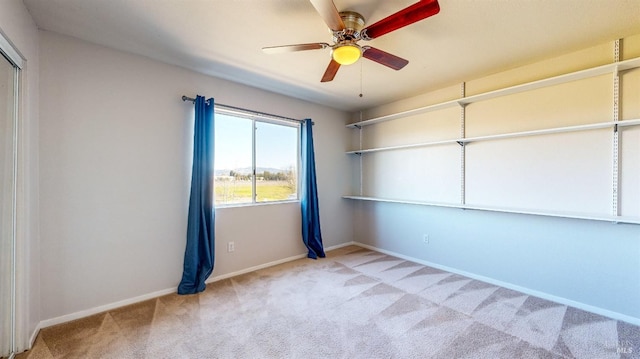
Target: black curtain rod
(227, 107)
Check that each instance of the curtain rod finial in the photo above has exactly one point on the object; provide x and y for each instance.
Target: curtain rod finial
(187, 98)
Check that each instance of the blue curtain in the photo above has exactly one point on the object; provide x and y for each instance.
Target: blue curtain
(200, 250)
(311, 235)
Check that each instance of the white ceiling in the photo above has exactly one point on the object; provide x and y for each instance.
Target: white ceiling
(466, 40)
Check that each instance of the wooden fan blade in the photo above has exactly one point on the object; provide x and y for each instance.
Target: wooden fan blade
(407, 16)
(384, 58)
(329, 13)
(331, 71)
(295, 47)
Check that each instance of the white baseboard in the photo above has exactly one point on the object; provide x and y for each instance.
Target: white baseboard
(271, 264)
(254, 268)
(103, 308)
(34, 335)
(543, 295)
(122, 303)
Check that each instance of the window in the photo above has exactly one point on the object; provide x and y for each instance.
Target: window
(256, 158)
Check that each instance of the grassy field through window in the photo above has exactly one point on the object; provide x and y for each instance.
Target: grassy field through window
(235, 191)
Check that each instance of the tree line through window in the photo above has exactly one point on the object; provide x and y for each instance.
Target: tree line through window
(256, 159)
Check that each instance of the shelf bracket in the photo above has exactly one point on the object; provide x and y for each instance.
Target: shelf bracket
(615, 200)
(359, 127)
(463, 156)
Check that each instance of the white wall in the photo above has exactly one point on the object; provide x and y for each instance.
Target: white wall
(115, 166)
(19, 28)
(594, 265)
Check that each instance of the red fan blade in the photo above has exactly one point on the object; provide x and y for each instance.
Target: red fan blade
(296, 47)
(407, 16)
(384, 58)
(329, 13)
(331, 71)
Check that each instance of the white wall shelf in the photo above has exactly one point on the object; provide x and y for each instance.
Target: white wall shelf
(400, 147)
(584, 216)
(614, 124)
(587, 127)
(556, 80)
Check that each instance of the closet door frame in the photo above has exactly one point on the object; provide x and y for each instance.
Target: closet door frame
(11, 55)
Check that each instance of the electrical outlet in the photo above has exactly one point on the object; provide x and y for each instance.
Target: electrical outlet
(231, 247)
(425, 238)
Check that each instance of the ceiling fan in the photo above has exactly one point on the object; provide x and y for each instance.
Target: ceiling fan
(347, 30)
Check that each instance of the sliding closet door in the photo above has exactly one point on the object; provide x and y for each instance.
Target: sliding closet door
(8, 84)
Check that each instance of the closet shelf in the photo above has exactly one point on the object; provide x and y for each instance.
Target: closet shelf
(556, 80)
(572, 215)
(587, 127)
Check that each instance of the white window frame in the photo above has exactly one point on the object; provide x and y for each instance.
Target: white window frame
(255, 118)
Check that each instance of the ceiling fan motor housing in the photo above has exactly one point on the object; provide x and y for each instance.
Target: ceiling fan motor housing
(353, 23)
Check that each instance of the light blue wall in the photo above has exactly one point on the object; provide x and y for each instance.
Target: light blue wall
(594, 265)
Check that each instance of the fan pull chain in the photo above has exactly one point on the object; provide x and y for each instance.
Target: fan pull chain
(360, 79)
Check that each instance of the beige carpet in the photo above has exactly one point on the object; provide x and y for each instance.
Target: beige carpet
(355, 303)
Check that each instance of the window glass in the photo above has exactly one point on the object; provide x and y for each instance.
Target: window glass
(276, 162)
(256, 160)
(233, 164)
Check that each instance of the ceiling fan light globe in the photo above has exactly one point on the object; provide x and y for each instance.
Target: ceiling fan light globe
(346, 54)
